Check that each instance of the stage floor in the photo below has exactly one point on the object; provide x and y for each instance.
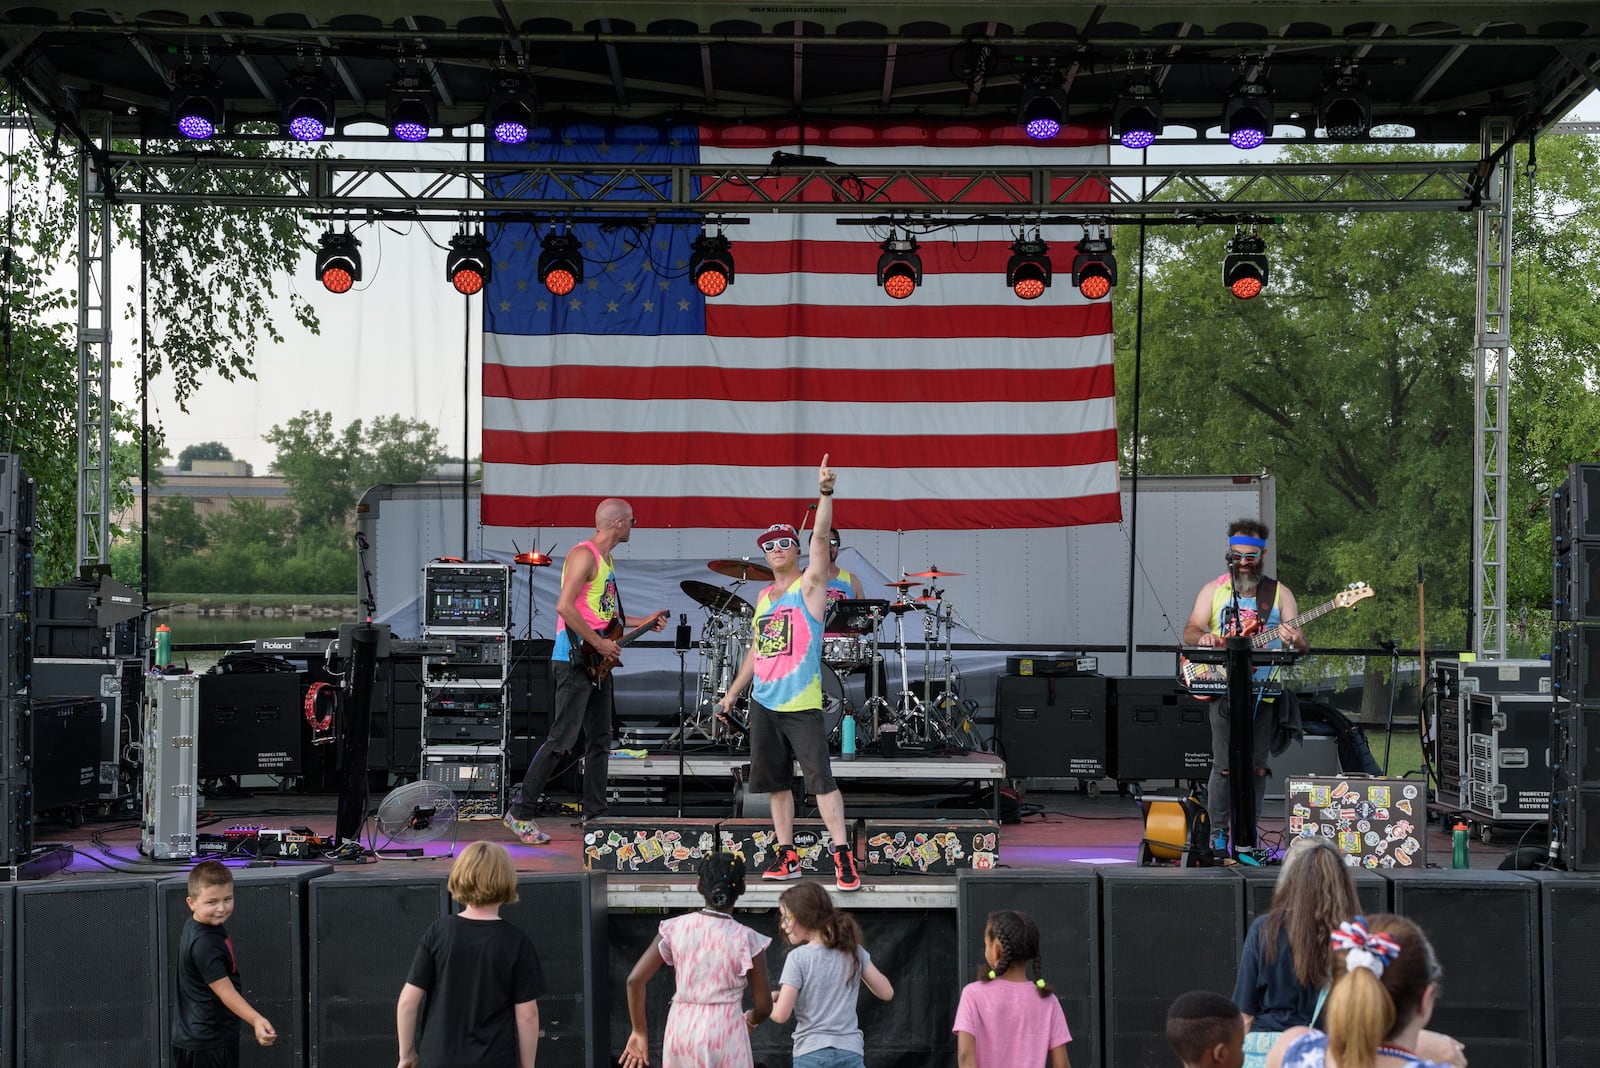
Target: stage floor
(1060, 830)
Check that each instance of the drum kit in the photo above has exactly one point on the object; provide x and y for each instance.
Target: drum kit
(850, 644)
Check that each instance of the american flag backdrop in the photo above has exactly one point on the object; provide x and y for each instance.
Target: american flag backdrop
(961, 407)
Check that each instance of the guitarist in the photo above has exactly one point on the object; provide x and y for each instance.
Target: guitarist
(1242, 601)
(587, 608)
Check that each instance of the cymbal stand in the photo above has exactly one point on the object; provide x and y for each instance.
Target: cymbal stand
(710, 645)
(944, 708)
(907, 705)
(876, 706)
(930, 639)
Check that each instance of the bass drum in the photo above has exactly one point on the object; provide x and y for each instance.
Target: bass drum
(835, 703)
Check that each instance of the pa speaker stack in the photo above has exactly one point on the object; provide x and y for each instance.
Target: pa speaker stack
(1575, 668)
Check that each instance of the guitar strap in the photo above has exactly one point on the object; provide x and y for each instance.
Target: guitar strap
(1266, 595)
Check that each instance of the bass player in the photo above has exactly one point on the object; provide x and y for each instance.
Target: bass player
(590, 622)
(1227, 605)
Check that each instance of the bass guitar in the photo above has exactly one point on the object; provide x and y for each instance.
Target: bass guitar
(599, 667)
(1206, 681)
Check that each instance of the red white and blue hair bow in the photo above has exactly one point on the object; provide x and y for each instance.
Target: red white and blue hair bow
(1372, 950)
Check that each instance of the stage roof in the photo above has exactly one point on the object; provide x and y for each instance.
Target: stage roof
(1436, 69)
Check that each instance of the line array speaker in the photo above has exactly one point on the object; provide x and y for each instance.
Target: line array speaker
(1146, 914)
(86, 985)
(1484, 926)
(364, 932)
(8, 986)
(565, 916)
(1066, 905)
(268, 934)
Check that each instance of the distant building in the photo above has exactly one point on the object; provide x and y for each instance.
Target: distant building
(211, 485)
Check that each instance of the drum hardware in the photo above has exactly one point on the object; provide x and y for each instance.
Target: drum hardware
(934, 572)
(715, 598)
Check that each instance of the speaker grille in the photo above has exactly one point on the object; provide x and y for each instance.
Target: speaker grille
(1066, 905)
(1166, 930)
(565, 915)
(1484, 929)
(365, 930)
(66, 934)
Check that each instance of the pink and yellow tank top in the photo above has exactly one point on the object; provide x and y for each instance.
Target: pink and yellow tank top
(788, 648)
(1250, 620)
(597, 601)
(840, 589)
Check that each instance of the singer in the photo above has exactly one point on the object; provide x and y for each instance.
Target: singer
(587, 607)
(1229, 605)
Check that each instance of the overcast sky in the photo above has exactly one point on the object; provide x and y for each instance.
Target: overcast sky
(394, 345)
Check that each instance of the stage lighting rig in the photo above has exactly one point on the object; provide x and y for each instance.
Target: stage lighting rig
(308, 112)
(197, 109)
(1137, 117)
(410, 109)
(560, 263)
(1094, 268)
(1042, 106)
(1244, 270)
(711, 264)
(1247, 116)
(1346, 110)
(1028, 271)
(900, 268)
(468, 267)
(338, 261)
(509, 116)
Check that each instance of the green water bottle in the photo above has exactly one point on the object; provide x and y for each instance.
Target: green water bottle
(1459, 838)
(163, 645)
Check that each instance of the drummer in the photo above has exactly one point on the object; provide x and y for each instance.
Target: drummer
(842, 584)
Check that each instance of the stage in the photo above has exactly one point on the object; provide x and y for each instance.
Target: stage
(324, 946)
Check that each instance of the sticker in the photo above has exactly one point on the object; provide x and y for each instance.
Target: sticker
(1341, 790)
(1350, 841)
(1364, 826)
(1409, 791)
(1379, 795)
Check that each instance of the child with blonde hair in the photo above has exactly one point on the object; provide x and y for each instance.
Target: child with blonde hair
(479, 973)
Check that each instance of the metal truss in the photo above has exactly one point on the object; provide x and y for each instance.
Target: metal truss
(94, 365)
(443, 187)
(1491, 375)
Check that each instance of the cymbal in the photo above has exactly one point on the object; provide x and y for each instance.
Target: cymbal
(744, 570)
(935, 573)
(927, 600)
(903, 584)
(902, 607)
(718, 600)
(533, 559)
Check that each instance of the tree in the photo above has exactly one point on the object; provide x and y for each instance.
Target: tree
(210, 270)
(326, 471)
(205, 450)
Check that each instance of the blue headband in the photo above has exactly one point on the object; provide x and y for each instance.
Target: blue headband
(1245, 539)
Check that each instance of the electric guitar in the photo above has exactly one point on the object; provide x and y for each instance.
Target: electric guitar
(597, 667)
(1207, 680)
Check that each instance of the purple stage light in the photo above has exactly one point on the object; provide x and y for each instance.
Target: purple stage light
(1043, 129)
(307, 128)
(1138, 139)
(1246, 139)
(510, 133)
(196, 127)
(411, 131)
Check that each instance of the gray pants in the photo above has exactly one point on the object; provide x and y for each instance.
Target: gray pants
(580, 708)
(1219, 804)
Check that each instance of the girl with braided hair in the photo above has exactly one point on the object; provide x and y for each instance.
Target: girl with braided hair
(820, 977)
(1384, 976)
(1010, 1016)
(716, 957)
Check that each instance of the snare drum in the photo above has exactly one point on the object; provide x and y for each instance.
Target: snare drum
(845, 650)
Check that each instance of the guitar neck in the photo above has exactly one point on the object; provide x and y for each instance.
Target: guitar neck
(1267, 637)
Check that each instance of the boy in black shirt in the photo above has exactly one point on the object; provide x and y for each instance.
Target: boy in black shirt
(479, 973)
(205, 1025)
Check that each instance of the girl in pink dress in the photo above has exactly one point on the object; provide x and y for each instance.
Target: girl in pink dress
(716, 957)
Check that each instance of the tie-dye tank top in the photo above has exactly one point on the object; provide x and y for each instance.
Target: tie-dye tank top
(788, 648)
(840, 589)
(597, 600)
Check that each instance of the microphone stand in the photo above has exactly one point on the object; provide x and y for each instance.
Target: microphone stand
(1241, 787)
(681, 647)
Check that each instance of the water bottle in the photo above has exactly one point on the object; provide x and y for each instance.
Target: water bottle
(1459, 839)
(163, 645)
(847, 737)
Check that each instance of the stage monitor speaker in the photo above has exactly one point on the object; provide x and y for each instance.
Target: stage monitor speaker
(1372, 890)
(1052, 726)
(565, 916)
(1484, 926)
(268, 932)
(250, 724)
(65, 746)
(1147, 914)
(1159, 731)
(1570, 934)
(1066, 906)
(530, 697)
(86, 983)
(364, 931)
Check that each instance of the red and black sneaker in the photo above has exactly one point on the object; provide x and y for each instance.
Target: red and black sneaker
(787, 866)
(844, 869)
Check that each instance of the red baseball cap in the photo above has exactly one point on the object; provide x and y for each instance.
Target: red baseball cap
(778, 530)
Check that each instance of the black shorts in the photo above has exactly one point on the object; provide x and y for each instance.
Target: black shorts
(778, 739)
(215, 1057)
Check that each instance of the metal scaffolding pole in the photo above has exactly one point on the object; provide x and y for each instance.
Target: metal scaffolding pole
(1491, 370)
(94, 362)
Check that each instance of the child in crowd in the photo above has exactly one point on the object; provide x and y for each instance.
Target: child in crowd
(480, 974)
(820, 976)
(205, 1023)
(1008, 1018)
(716, 957)
(1206, 1030)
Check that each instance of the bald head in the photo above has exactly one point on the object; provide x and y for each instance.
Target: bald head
(616, 516)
